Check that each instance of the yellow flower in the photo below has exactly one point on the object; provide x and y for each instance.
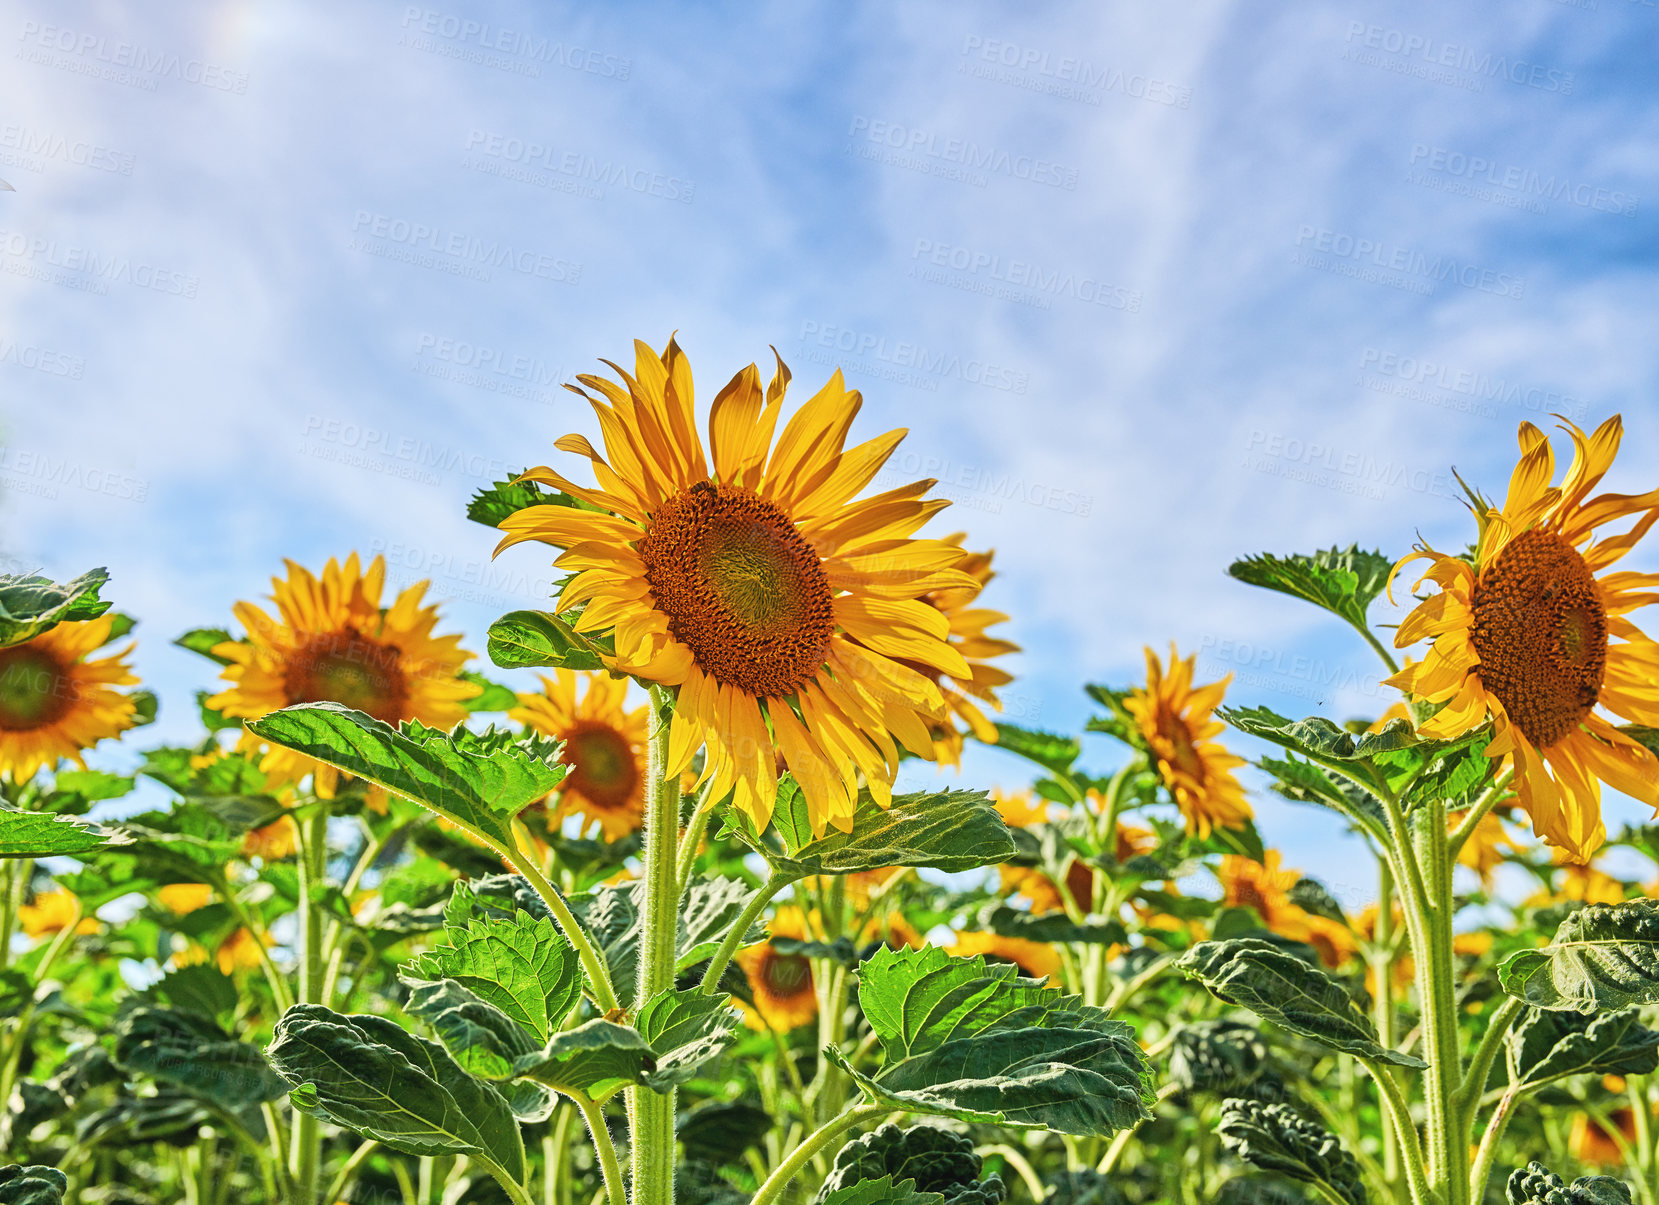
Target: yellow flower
(55, 702)
(1533, 636)
(1019, 809)
(1487, 846)
(894, 930)
(1176, 721)
(1580, 885)
(785, 997)
(272, 842)
(181, 898)
(1265, 887)
(239, 950)
(604, 748)
(1592, 1143)
(784, 612)
(1035, 959)
(331, 641)
(967, 635)
(52, 912)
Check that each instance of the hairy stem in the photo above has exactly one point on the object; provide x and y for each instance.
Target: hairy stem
(810, 1146)
(733, 940)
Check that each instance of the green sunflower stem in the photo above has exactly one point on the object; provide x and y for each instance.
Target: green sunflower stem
(652, 1146)
(313, 866)
(733, 940)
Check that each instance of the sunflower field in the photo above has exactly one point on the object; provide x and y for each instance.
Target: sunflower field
(661, 929)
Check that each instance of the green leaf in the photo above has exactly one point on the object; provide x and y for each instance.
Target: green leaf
(492, 696)
(521, 639)
(1537, 1185)
(485, 1041)
(943, 830)
(977, 1043)
(85, 787)
(199, 988)
(1217, 1056)
(686, 1031)
(594, 1060)
(32, 1185)
(490, 506)
(41, 835)
(192, 1053)
(880, 1191)
(1279, 987)
(719, 1131)
(30, 605)
(142, 1120)
(369, 1075)
(522, 966)
(1343, 581)
(936, 1160)
(1318, 737)
(1275, 1139)
(477, 780)
(1310, 896)
(1603, 956)
(202, 641)
(1049, 750)
(1548, 1046)
(1051, 927)
(1304, 782)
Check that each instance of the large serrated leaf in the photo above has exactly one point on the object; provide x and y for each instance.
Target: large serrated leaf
(485, 1041)
(42, 835)
(594, 1059)
(1537, 1185)
(1051, 927)
(541, 639)
(612, 916)
(937, 1160)
(1603, 956)
(1275, 1139)
(883, 1190)
(371, 1076)
(1548, 1046)
(1344, 581)
(522, 966)
(977, 1043)
(1304, 782)
(1279, 987)
(1049, 750)
(30, 605)
(942, 830)
(477, 780)
(1318, 737)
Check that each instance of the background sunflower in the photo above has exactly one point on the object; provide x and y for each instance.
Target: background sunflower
(604, 746)
(56, 700)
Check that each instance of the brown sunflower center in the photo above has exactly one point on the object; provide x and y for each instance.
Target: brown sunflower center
(1541, 634)
(603, 769)
(741, 588)
(34, 689)
(786, 975)
(350, 669)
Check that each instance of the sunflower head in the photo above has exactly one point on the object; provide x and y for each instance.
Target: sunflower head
(604, 748)
(785, 996)
(1532, 636)
(57, 701)
(1035, 959)
(332, 641)
(51, 912)
(1176, 723)
(786, 612)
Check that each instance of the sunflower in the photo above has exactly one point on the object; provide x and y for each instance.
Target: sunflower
(785, 997)
(55, 702)
(1487, 847)
(967, 635)
(1265, 887)
(1580, 885)
(1533, 636)
(183, 898)
(1035, 959)
(893, 929)
(52, 912)
(1176, 722)
(1591, 1142)
(604, 748)
(333, 642)
(782, 610)
(271, 842)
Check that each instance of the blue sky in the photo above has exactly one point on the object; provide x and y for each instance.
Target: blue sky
(1152, 286)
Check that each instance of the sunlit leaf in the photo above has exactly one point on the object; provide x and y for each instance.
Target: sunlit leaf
(594, 1059)
(1548, 1045)
(521, 639)
(204, 640)
(42, 835)
(30, 605)
(1279, 987)
(1603, 956)
(485, 1041)
(687, 1031)
(1344, 581)
(1047, 749)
